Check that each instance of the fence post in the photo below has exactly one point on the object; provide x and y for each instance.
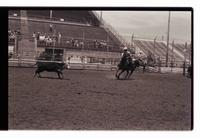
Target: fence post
(159, 65)
(19, 60)
(171, 65)
(184, 68)
(98, 66)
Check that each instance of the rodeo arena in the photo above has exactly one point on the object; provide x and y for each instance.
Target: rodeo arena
(67, 71)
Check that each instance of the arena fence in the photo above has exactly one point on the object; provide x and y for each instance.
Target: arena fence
(80, 66)
(31, 63)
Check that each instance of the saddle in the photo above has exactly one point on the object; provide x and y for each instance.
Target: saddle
(125, 62)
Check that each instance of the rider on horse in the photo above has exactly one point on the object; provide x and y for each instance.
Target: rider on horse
(126, 64)
(141, 57)
(126, 57)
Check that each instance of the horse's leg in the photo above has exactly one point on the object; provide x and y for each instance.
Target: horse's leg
(127, 73)
(144, 67)
(131, 73)
(39, 75)
(120, 73)
(116, 73)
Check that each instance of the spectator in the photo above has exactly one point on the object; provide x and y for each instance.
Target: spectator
(96, 44)
(103, 45)
(59, 38)
(34, 35)
(42, 38)
(81, 44)
(38, 35)
(67, 42)
(9, 32)
(45, 35)
(54, 36)
(54, 41)
(76, 43)
(48, 41)
(18, 32)
(73, 42)
(50, 27)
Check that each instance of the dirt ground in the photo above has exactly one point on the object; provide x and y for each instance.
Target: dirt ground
(95, 100)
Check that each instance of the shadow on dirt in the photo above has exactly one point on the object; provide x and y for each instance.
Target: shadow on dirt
(126, 79)
(46, 77)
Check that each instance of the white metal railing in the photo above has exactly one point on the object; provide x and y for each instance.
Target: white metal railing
(46, 20)
(32, 63)
(109, 29)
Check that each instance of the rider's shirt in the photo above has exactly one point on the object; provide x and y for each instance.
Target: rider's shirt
(125, 54)
(142, 58)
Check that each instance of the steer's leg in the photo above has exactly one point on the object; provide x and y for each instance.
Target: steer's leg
(39, 75)
(59, 73)
(37, 72)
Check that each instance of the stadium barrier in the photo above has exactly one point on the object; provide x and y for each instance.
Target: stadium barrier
(14, 62)
(30, 63)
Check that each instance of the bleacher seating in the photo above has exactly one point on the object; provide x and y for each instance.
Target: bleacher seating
(69, 30)
(90, 33)
(181, 47)
(161, 48)
(38, 13)
(82, 16)
(147, 47)
(14, 24)
(86, 33)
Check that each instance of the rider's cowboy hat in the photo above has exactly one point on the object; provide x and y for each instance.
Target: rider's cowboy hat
(125, 48)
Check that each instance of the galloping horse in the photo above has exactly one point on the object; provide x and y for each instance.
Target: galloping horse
(128, 67)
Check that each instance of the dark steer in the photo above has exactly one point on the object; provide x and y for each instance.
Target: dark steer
(50, 67)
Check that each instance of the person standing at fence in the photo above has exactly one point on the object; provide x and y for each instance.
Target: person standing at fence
(50, 27)
(38, 36)
(73, 42)
(35, 42)
(59, 38)
(54, 41)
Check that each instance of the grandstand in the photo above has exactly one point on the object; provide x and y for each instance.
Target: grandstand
(177, 54)
(83, 35)
(79, 26)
